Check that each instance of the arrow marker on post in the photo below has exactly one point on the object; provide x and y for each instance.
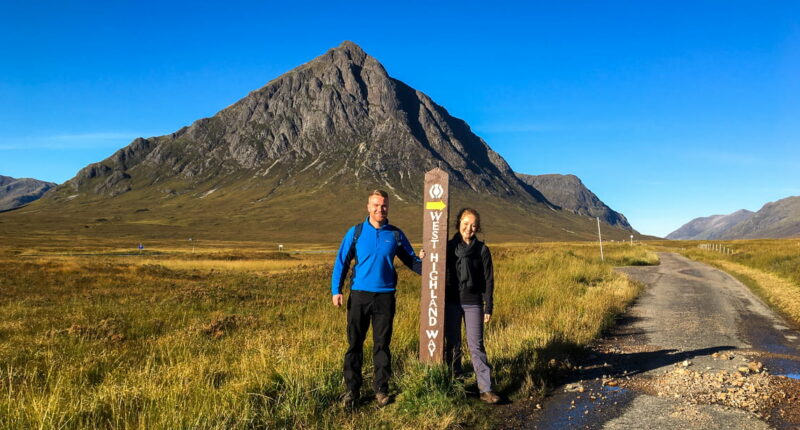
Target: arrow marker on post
(436, 206)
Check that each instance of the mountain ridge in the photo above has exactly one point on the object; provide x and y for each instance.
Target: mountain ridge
(778, 219)
(318, 136)
(246, 124)
(709, 228)
(17, 192)
(569, 192)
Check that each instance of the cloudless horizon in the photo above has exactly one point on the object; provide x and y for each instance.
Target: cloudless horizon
(667, 112)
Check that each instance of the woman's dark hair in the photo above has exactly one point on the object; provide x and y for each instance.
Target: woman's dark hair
(474, 213)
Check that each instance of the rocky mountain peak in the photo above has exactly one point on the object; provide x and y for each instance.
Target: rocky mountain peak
(568, 192)
(347, 53)
(340, 115)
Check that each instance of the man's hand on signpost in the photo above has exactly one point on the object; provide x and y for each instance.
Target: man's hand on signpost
(337, 300)
(486, 318)
(421, 254)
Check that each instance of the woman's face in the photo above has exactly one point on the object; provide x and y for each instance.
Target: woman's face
(467, 226)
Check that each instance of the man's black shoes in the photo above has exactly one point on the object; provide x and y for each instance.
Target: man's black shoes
(350, 400)
(383, 399)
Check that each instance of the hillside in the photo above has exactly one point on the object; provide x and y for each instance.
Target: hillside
(292, 161)
(774, 220)
(709, 228)
(569, 193)
(18, 192)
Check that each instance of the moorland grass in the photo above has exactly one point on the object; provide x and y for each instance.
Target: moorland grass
(162, 342)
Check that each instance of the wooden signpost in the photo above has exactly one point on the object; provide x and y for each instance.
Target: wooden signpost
(434, 241)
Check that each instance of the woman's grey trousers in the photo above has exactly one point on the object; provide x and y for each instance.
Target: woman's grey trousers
(472, 315)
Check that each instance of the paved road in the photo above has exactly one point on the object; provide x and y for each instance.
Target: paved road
(687, 355)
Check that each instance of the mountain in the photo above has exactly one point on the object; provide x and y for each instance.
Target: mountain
(569, 193)
(340, 113)
(294, 160)
(18, 192)
(709, 228)
(774, 220)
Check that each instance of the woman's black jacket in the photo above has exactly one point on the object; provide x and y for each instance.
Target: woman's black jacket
(479, 264)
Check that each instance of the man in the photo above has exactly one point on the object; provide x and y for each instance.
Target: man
(373, 245)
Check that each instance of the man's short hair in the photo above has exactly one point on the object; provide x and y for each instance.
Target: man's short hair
(381, 193)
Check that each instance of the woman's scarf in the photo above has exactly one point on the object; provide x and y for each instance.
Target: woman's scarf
(463, 253)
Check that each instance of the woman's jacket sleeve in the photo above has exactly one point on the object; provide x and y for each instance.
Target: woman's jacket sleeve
(488, 273)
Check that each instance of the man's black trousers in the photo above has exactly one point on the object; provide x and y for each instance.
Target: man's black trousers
(363, 307)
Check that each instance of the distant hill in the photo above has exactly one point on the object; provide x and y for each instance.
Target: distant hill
(293, 161)
(709, 228)
(774, 220)
(568, 192)
(18, 192)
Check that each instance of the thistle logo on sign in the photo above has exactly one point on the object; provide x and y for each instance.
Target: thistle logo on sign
(436, 191)
(431, 330)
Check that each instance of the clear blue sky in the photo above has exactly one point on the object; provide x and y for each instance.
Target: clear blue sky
(667, 112)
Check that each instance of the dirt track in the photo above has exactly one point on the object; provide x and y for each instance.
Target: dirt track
(697, 351)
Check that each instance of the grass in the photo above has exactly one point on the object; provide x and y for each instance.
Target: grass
(251, 207)
(770, 267)
(241, 337)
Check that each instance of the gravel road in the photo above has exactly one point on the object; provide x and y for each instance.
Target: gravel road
(696, 351)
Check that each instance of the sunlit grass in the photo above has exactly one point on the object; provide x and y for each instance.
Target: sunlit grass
(247, 338)
(265, 266)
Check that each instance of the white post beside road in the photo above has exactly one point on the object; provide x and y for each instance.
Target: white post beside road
(600, 238)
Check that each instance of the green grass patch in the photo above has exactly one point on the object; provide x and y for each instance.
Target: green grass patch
(103, 341)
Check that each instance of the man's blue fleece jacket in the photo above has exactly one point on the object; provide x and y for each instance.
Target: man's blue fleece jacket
(375, 252)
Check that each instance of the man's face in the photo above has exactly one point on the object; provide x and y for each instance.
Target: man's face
(378, 208)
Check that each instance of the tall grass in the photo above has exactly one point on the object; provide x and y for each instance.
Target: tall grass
(108, 342)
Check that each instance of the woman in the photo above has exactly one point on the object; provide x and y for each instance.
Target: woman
(470, 284)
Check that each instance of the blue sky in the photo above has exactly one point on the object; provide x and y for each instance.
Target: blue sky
(666, 111)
